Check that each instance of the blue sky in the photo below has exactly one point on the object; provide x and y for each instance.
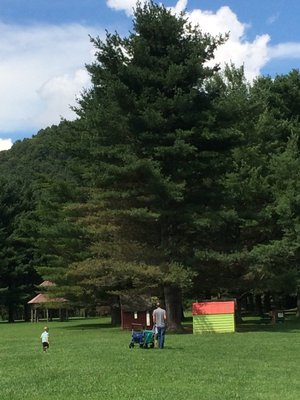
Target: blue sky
(44, 46)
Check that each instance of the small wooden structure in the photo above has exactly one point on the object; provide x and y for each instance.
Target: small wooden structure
(213, 316)
(136, 310)
(44, 304)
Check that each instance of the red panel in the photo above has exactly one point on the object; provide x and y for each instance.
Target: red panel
(127, 319)
(213, 307)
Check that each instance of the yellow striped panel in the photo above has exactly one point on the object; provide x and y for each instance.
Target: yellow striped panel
(218, 323)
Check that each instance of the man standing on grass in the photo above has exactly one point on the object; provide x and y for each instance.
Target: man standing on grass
(159, 319)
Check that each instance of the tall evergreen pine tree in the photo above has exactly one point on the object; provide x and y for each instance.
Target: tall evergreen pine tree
(156, 157)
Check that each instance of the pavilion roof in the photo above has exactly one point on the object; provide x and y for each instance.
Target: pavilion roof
(42, 299)
(47, 284)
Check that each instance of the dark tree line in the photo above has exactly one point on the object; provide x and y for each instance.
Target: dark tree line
(176, 179)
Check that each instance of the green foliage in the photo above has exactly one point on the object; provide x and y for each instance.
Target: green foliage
(17, 273)
(155, 159)
(264, 187)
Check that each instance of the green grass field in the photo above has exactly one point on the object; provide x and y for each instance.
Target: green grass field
(88, 359)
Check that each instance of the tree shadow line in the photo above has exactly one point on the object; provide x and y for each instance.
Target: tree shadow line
(91, 326)
(290, 325)
(287, 326)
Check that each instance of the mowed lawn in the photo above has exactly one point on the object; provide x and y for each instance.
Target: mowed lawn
(88, 359)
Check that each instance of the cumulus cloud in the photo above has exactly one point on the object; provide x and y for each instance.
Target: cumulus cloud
(58, 93)
(285, 50)
(123, 5)
(253, 55)
(180, 6)
(5, 144)
(41, 72)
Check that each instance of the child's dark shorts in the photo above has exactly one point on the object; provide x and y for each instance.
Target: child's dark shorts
(45, 345)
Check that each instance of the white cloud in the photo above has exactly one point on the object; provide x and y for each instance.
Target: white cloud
(123, 5)
(41, 72)
(273, 18)
(224, 20)
(129, 5)
(252, 55)
(5, 144)
(285, 50)
(180, 6)
(237, 50)
(58, 93)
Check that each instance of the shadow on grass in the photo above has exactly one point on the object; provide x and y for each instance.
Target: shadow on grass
(91, 325)
(249, 324)
(290, 325)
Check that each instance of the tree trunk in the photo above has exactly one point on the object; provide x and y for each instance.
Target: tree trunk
(298, 304)
(11, 309)
(173, 308)
(250, 303)
(258, 305)
(26, 313)
(238, 310)
(115, 312)
(267, 302)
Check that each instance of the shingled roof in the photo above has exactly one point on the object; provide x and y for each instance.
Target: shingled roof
(42, 298)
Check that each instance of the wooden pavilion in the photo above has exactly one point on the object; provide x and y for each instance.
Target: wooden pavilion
(43, 306)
